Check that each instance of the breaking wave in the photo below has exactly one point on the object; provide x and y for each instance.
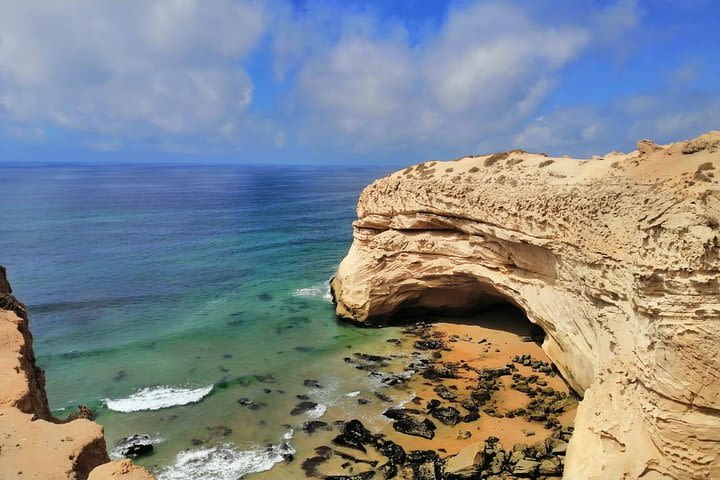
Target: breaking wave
(317, 412)
(155, 398)
(321, 290)
(225, 462)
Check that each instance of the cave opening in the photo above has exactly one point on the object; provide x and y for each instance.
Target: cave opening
(468, 302)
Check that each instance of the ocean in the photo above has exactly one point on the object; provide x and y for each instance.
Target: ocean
(188, 303)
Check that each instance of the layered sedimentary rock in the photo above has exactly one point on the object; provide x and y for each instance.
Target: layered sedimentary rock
(33, 444)
(616, 258)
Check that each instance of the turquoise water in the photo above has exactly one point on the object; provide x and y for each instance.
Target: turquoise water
(185, 277)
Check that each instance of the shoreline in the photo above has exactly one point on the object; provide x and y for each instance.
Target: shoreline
(450, 388)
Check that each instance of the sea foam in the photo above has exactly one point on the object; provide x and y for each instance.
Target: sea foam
(225, 462)
(321, 290)
(155, 398)
(317, 412)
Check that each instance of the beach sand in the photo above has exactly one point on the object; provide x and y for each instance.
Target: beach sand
(485, 341)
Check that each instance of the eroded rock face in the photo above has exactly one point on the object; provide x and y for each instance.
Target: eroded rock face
(616, 258)
(69, 450)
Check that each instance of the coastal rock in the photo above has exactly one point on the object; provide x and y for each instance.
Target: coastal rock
(69, 450)
(616, 258)
(134, 446)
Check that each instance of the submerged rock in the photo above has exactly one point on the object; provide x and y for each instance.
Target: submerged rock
(303, 407)
(315, 425)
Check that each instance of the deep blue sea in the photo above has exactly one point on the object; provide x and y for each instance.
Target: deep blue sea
(151, 287)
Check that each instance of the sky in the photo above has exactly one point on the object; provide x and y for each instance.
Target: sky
(350, 83)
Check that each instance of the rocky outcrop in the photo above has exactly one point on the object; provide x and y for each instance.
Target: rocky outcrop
(616, 258)
(69, 450)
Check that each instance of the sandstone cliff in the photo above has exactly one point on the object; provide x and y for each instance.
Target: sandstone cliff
(616, 257)
(33, 444)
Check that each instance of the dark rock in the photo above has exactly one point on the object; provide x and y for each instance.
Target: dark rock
(429, 345)
(303, 407)
(414, 426)
(383, 397)
(433, 404)
(82, 412)
(312, 383)
(445, 393)
(315, 425)
(371, 358)
(394, 452)
(354, 435)
(401, 413)
(447, 415)
(389, 470)
(439, 371)
(471, 416)
(426, 464)
(310, 465)
(134, 446)
(325, 452)
(391, 380)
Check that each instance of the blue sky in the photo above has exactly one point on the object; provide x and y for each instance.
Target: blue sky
(281, 81)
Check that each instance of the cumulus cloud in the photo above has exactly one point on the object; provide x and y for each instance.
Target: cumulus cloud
(228, 75)
(127, 68)
(664, 115)
(487, 66)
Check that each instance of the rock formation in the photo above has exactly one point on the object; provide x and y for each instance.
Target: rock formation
(616, 258)
(33, 444)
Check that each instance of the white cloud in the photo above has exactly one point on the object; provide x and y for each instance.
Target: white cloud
(664, 116)
(136, 67)
(174, 74)
(487, 66)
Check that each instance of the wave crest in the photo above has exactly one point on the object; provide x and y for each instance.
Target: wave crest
(156, 398)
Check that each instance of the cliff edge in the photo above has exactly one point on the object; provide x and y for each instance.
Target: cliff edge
(33, 444)
(616, 257)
